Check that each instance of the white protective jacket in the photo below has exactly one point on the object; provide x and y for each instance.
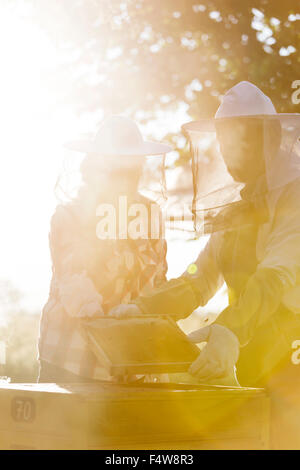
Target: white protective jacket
(276, 279)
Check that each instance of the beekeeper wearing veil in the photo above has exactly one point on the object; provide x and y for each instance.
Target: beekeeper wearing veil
(246, 164)
(91, 272)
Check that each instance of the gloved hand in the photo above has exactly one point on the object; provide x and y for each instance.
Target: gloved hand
(91, 309)
(125, 311)
(219, 356)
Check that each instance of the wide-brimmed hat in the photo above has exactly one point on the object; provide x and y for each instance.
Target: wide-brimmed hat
(246, 126)
(119, 136)
(243, 100)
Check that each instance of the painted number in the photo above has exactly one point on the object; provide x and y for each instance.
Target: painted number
(23, 409)
(296, 354)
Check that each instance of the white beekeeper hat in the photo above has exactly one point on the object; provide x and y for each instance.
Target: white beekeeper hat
(243, 107)
(119, 136)
(244, 100)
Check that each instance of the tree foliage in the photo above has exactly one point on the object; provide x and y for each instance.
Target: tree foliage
(132, 56)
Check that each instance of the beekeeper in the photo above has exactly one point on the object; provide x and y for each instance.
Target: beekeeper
(92, 274)
(248, 198)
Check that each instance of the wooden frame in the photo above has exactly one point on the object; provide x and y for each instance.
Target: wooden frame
(140, 345)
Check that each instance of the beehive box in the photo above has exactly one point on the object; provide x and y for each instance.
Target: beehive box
(140, 345)
(110, 416)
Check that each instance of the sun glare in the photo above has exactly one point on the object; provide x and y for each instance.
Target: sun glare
(28, 159)
(34, 128)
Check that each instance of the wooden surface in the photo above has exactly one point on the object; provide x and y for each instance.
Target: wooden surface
(109, 416)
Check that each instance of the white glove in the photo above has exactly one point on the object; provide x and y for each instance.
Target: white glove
(125, 311)
(90, 310)
(219, 356)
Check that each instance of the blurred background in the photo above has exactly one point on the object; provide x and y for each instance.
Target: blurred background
(66, 64)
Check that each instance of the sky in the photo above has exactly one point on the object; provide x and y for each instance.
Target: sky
(34, 130)
(32, 154)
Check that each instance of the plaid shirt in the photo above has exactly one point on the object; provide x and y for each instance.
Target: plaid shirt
(87, 272)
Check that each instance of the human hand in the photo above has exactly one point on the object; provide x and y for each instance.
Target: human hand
(219, 356)
(91, 309)
(125, 311)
